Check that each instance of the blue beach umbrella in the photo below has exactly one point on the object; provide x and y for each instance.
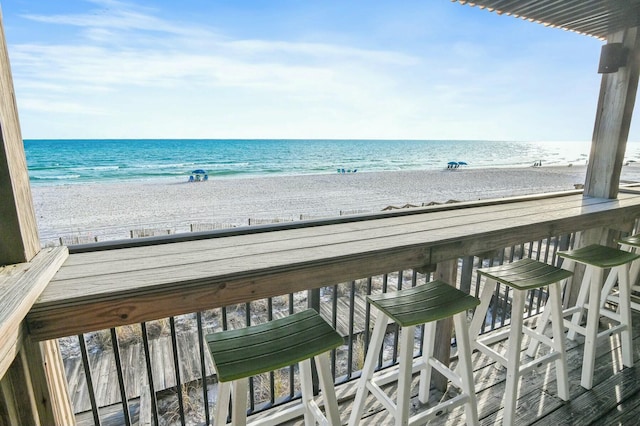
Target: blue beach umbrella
(452, 163)
(462, 163)
(199, 172)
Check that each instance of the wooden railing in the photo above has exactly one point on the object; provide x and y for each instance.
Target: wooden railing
(151, 282)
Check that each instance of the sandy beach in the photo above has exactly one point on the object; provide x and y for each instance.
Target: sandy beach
(110, 210)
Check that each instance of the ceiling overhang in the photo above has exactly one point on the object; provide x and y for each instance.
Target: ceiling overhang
(595, 18)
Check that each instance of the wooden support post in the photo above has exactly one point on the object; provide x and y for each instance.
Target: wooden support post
(447, 272)
(49, 382)
(611, 130)
(19, 240)
(34, 389)
(613, 119)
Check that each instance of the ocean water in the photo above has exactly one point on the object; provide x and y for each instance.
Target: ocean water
(54, 162)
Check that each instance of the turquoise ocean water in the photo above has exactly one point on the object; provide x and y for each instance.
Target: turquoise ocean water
(54, 162)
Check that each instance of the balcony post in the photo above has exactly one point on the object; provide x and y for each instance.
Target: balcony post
(613, 119)
(19, 240)
(49, 382)
(611, 130)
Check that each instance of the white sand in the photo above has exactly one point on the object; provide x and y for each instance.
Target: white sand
(110, 210)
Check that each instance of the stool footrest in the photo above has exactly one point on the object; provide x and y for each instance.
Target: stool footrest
(391, 374)
(491, 353)
(539, 337)
(494, 337)
(423, 416)
(433, 412)
(536, 363)
(615, 298)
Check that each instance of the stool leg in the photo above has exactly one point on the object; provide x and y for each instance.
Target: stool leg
(306, 387)
(593, 317)
(328, 389)
(428, 345)
(625, 315)
(221, 411)
(583, 293)
(405, 359)
(465, 368)
(543, 321)
(239, 402)
(609, 283)
(557, 325)
(377, 338)
(513, 357)
(481, 310)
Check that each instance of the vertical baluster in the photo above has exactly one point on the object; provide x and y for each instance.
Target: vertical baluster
(225, 319)
(272, 376)
(385, 279)
(87, 373)
(334, 323)
(291, 370)
(252, 393)
(203, 368)
(176, 366)
(352, 303)
(147, 358)
(123, 391)
(367, 315)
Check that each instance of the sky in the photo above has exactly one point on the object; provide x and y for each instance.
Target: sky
(313, 69)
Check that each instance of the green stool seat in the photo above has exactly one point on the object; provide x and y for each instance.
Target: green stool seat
(523, 275)
(274, 345)
(632, 240)
(526, 274)
(423, 304)
(599, 256)
(242, 353)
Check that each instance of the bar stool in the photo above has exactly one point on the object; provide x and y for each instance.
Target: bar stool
(521, 276)
(424, 304)
(597, 258)
(239, 354)
(632, 244)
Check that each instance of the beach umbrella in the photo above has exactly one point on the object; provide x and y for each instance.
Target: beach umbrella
(199, 172)
(462, 163)
(452, 163)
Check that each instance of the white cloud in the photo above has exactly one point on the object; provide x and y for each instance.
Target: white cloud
(135, 74)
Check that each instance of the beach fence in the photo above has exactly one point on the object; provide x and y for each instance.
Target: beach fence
(354, 211)
(212, 226)
(149, 232)
(255, 221)
(69, 240)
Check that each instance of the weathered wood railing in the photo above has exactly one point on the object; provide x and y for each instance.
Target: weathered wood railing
(103, 287)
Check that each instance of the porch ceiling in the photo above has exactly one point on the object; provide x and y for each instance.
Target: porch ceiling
(596, 18)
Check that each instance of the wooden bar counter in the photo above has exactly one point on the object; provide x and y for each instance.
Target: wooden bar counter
(106, 285)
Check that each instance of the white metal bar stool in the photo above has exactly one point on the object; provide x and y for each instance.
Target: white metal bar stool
(424, 304)
(245, 352)
(597, 258)
(521, 276)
